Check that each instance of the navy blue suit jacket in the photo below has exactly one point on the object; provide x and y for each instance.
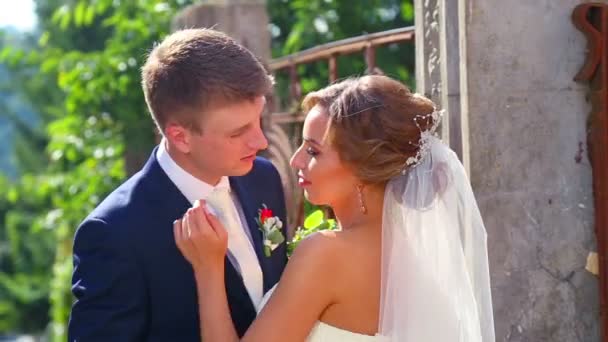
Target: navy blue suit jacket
(130, 281)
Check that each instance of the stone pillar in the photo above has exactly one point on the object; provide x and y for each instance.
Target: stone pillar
(247, 22)
(437, 60)
(244, 20)
(504, 71)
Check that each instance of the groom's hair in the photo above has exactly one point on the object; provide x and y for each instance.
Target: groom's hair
(196, 70)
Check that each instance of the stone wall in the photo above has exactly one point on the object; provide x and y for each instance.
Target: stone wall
(505, 70)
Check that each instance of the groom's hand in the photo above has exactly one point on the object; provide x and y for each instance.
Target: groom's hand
(201, 238)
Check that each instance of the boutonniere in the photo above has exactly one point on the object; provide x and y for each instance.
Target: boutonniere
(271, 229)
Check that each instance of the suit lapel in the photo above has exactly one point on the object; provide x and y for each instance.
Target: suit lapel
(164, 193)
(174, 205)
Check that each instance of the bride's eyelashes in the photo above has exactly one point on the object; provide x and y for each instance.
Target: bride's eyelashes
(312, 152)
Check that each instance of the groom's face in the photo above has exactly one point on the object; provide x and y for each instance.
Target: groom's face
(231, 136)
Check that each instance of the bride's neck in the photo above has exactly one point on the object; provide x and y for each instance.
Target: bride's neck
(350, 214)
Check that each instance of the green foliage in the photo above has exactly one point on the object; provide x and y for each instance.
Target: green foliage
(313, 223)
(16, 108)
(105, 124)
(88, 58)
(26, 254)
(303, 24)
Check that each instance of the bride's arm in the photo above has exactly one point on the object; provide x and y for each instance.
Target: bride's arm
(305, 289)
(304, 292)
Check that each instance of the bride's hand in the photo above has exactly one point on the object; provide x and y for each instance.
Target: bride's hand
(201, 238)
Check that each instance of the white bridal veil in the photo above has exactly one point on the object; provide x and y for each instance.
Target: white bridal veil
(435, 275)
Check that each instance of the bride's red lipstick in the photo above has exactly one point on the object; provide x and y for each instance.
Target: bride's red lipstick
(302, 181)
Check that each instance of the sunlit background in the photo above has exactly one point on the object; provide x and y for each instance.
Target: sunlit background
(18, 15)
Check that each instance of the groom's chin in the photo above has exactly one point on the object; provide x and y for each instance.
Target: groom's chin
(243, 169)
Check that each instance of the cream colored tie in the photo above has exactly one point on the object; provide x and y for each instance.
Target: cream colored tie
(238, 243)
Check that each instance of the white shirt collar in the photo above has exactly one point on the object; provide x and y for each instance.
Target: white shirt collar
(191, 187)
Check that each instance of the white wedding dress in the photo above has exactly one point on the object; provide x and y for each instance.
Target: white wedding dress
(322, 332)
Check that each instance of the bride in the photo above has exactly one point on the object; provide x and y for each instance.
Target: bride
(410, 261)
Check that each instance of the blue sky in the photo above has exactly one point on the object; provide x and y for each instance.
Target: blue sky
(17, 13)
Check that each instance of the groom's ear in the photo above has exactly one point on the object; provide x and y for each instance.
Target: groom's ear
(178, 136)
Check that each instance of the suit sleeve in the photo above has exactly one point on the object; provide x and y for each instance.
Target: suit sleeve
(108, 286)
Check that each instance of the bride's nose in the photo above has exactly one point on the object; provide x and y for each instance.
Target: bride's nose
(296, 160)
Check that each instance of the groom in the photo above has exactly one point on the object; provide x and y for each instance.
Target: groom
(206, 94)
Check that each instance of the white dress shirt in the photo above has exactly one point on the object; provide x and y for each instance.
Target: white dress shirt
(194, 189)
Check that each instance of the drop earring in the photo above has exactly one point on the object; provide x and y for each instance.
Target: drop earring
(361, 199)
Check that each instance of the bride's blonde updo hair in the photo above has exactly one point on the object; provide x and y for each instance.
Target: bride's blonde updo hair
(375, 124)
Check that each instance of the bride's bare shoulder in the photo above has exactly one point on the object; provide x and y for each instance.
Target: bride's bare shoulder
(325, 239)
(316, 260)
(323, 247)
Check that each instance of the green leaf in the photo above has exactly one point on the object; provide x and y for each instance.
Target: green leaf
(62, 17)
(102, 6)
(44, 39)
(407, 11)
(89, 15)
(332, 224)
(314, 220)
(12, 195)
(59, 13)
(65, 21)
(79, 13)
(276, 236)
(5, 53)
(49, 64)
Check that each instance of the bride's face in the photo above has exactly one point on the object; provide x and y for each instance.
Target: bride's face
(326, 180)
